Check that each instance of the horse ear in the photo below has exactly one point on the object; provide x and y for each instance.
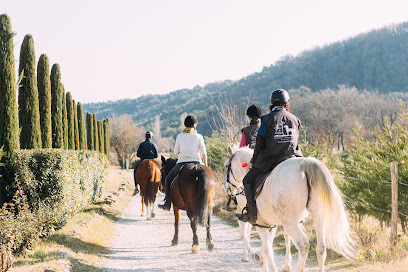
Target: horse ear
(229, 149)
(163, 159)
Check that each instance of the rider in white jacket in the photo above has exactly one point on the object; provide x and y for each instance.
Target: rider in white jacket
(190, 148)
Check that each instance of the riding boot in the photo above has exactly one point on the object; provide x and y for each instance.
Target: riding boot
(167, 203)
(136, 188)
(251, 204)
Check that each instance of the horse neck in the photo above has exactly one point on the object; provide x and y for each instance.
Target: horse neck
(241, 156)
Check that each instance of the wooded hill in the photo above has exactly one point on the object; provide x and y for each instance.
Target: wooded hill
(376, 61)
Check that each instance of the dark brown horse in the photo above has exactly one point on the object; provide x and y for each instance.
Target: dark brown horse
(147, 175)
(192, 191)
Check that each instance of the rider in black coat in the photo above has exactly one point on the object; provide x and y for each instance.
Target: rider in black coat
(277, 140)
(146, 150)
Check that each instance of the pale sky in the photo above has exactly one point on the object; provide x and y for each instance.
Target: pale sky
(110, 50)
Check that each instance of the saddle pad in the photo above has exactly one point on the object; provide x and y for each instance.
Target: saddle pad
(259, 184)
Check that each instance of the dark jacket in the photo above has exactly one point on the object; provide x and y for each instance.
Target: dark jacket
(277, 136)
(147, 150)
(250, 132)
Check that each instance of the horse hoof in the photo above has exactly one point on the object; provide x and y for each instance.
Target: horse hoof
(256, 258)
(245, 259)
(210, 244)
(288, 269)
(196, 249)
(148, 218)
(174, 243)
(153, 215)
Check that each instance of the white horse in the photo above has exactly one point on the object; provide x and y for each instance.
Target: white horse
(234, 187)
(296, 188)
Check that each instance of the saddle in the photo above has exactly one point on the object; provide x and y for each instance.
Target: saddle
(181, 168)
(260, 181)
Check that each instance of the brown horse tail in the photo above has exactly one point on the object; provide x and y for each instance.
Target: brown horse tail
(201, 200)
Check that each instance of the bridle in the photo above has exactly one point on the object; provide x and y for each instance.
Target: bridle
(239, 188)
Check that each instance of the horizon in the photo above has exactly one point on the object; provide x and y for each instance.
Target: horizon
(132, 49)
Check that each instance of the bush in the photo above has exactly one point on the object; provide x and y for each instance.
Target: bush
(58, 183)
(216, 146)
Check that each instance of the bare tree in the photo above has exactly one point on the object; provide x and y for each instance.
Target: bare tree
(125, 137)
(156, 127)
(230, 119)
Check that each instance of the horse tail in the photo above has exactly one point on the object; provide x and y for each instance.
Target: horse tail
(201, 200)
(150, 175)
(325, 195)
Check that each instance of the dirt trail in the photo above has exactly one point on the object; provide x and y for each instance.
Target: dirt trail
(142, 245)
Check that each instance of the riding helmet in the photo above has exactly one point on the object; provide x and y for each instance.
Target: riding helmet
(279, 95)
(149, 134)
(254, 111)
(190, 121)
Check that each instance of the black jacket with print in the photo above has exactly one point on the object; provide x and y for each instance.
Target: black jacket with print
(277, 136)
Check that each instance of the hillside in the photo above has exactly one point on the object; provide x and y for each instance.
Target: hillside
(373, 61)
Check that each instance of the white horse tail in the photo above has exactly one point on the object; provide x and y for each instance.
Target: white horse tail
(330, 207)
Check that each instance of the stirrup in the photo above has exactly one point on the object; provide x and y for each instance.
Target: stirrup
(244, 217)
(165, 206)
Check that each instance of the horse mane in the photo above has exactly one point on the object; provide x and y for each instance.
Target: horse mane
(232, 149)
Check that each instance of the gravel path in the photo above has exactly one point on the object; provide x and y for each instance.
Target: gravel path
(142, 245)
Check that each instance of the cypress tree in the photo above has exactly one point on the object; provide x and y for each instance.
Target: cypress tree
(101, 137)
(56, 108)
(9, 130)
(96, 133)
(76, 132)
(28, 106)
(90, 131)
(107, 137)
(70, 121)
(81, 127)
(64, 117)
(44, 95)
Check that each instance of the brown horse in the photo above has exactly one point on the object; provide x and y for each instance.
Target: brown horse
(147, 176)
(193, 191)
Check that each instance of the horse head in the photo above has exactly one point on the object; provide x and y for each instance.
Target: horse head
(166, 166)
(235, 173)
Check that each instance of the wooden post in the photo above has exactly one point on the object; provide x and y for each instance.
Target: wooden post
(394, 204)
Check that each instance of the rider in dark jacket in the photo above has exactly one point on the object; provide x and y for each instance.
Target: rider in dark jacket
(146, 150)
(277, 140)
(249, 133)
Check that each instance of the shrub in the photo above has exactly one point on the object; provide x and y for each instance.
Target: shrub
(216, 146)
(59, 182)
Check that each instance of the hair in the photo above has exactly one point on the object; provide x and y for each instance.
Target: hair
(285, 105)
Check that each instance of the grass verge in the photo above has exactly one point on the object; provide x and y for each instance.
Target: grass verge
(84, 242)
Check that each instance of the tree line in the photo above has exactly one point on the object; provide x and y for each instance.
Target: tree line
(46, 116)
(375, 62)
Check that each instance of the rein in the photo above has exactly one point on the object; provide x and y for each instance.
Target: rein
(229, 170)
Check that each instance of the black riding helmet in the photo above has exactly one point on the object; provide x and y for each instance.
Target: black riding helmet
(280, 96)
(254, 111)
(149, 134)
(190, 121)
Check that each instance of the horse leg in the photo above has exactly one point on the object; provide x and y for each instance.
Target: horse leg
(174, 242)
(209, 241)
(143, 206)
(245, 231)
(288, 256)
(152, 210)
(148, 211)
(301, 242)
(267, 236)
(196, 246)
(321, 241)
